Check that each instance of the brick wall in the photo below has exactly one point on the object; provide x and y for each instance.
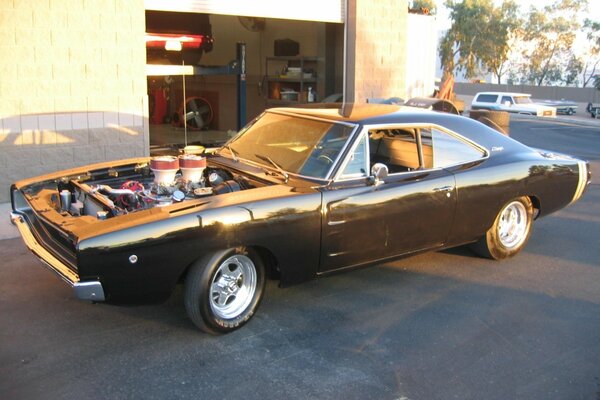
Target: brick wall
(378, 43)
(72, 85)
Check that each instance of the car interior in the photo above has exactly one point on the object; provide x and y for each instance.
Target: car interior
(398, 149)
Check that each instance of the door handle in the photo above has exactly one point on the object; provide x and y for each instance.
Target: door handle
(444, 189)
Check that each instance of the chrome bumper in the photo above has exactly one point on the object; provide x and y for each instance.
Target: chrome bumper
(88, 290)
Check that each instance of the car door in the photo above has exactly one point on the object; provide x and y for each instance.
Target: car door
(366, 221)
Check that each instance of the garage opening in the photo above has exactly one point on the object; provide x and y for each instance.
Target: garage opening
(196, 57)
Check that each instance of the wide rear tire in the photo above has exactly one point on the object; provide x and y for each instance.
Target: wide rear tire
(498, 118)
(509, 233)
(223, 290)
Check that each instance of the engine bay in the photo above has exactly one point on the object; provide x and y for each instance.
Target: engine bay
(164, 181)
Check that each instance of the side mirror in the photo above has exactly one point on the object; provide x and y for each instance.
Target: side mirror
(379, 172)
(507, 103)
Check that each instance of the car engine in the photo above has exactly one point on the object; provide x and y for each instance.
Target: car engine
(166, 180)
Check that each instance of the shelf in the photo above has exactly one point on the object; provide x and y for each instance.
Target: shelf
(277, 102)
(278, 82)
(293, 58)
(293, 80)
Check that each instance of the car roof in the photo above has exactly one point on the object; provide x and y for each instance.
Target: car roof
(505, 94)
(363, 113)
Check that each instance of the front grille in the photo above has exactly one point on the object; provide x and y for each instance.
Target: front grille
(51, 239)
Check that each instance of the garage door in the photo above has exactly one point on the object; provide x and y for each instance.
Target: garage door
(328, 11)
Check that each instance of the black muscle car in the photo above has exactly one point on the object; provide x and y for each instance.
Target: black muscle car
(298, 193)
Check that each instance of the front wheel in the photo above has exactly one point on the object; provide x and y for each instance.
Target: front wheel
(510, 231)
(223, 290)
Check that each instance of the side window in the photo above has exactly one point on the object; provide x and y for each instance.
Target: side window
(356, 167)
(487, 98)
(449, 150)
(507, 99)
(428, 149)
(396, 148)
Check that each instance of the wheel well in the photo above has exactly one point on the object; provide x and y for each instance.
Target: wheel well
(270, 261)
(535, 202)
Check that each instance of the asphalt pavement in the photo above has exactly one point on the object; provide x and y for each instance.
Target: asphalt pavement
(440, 325)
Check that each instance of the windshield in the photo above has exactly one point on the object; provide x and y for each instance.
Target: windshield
(523, 100)
(297, 145)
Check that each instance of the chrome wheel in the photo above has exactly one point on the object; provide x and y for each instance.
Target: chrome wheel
(233, 287)
(513, 225)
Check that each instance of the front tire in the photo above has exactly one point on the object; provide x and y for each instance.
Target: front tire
(509, 233)
(223, 290)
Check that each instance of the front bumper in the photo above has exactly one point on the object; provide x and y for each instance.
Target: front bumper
(86, 290)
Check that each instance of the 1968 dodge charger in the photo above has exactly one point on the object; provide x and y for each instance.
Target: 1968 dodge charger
(298, 193)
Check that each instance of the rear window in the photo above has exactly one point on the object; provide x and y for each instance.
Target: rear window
(487, 98)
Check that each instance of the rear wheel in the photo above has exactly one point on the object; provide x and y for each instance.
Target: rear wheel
(510, 232)
(223, 290)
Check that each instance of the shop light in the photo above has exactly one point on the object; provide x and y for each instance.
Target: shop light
(173, 45)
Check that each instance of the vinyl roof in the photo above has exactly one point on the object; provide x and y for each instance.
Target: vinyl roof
(351, 112)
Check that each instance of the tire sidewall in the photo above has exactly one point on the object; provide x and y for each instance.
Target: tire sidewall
(197, 291)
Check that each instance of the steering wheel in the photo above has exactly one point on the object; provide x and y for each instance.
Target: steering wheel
(325, 158)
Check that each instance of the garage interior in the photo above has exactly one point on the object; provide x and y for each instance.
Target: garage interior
(287, 63)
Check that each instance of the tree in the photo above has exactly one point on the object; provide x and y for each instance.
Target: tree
(504, 23)
(592, 53)
(479, 36)
(572, 71)
(549, 34)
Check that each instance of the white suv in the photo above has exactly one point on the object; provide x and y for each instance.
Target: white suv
(512, 102)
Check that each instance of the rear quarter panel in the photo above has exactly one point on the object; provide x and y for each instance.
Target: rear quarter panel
(484, 189)
(512, 170)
